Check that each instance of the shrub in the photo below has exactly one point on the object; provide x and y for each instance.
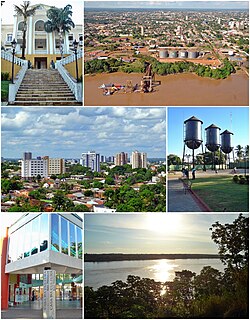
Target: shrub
(4, 95)
(235, 178)
(5, 76)
(242, 180)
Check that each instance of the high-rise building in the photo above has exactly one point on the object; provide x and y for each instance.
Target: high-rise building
(27, 155)
(91, 160)
(121, 159)
(55, 165)
(32, 168)
(139, 159)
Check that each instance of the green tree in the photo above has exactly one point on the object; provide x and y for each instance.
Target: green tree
(239, 151)
(25, 11)
(233, 242)
(88, 193)
(59, 21)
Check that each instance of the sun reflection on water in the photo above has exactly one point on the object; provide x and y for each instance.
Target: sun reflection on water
(163, 270)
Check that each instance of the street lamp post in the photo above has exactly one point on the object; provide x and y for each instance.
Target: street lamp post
(13, 44)
(75, 44)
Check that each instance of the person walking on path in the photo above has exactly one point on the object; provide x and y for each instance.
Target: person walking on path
(193, 173)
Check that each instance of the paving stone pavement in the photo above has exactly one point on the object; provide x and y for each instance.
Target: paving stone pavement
(37, 314)
(178, 201)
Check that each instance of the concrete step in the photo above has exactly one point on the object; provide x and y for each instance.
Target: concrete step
(44, 88)
(42, 94)
(30, 98)
(47, 103)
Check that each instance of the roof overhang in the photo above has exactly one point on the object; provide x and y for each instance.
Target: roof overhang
(34, 264)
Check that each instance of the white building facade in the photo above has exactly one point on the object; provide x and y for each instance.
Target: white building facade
(139, 159)
(34, 167)
(41, 46)
(91, 160)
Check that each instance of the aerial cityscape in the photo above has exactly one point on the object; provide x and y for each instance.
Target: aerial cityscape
(69, 178)
(138, 50)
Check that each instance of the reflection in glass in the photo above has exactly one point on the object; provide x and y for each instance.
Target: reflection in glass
(44, 232)
(27, 240)
(79, 242)
(54, 232)
(35, 235)
(72, 239)
(64, 236)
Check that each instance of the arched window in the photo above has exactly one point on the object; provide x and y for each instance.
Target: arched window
(20, 26)
(39, 26)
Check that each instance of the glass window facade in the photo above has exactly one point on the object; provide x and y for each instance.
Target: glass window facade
(55, 232)
(29, 238)
(31, 235)
(79, 242)
(72, 240)
(64, 236)
(44, 235)
(69, 239)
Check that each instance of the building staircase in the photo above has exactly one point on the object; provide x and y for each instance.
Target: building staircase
(44, 87)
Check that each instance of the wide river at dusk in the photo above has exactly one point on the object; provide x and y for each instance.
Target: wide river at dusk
(97, 274)
(175, 90)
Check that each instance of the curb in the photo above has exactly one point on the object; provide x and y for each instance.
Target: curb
(200, 202)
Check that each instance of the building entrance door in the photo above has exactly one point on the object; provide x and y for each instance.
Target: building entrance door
(40, 63)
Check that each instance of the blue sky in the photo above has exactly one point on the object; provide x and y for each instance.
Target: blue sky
(151, 233)
(168, 4)
(235, 119)
(67, 132)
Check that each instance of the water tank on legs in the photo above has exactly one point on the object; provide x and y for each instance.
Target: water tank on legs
(226, 141)
(193, 132)
(213, 138)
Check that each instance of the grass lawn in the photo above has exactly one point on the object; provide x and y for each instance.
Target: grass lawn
(220, 193)
(4, 90)
(47, 201)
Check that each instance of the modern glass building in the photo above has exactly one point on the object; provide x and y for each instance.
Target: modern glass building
(37, 241)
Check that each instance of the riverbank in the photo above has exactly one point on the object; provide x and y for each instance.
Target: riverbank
(175, 90)
(105, 257)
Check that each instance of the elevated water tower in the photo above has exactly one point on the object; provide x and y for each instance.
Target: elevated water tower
(226, 143)
(213, 140)
(192, 135)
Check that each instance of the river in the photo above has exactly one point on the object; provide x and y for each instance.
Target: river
(175, 90)
(97, 274)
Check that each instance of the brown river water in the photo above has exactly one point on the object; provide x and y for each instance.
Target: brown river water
(175, 90)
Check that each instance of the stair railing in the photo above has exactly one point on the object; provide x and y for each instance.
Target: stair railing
(13, 87)
(75, 87)
(6, 55)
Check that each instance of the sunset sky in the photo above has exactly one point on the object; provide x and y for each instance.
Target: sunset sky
(151, 233)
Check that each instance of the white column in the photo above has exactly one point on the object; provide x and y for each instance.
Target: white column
(15, 28)
(66, 44)
(51, 46)
(30, 35)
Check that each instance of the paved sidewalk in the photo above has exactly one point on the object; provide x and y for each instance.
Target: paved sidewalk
(37, 314)
(178, 201)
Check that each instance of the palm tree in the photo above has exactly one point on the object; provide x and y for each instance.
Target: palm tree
(247, 151)
(239, 151)
(26, 11)
(59, 21)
